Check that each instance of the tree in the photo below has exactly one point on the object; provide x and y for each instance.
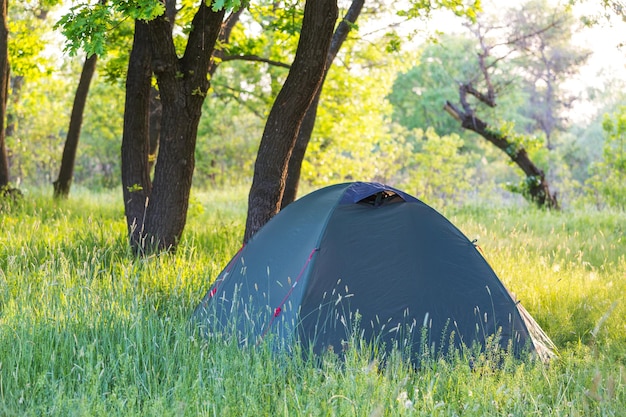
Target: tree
(484, 89)
(416, 10)
(66, 172)
(422, 88)
(439, 171)
(548, 59)
(28, 24)
(29, 47)
(183, 85)
(608, 180)
(536, 186)
(308, 123)
(156, 209)
(136, 182)
(287, 113)
(354, 137)
(4, 91)
(64, 181)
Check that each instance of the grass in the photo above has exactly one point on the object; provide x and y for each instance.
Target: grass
(86, 329)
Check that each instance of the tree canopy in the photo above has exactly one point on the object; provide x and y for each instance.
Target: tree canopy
(380, 111)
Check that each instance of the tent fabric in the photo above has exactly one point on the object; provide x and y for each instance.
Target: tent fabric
(365, 259)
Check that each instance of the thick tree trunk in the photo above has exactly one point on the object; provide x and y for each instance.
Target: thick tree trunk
(161, 126)
(537, 185)
(64, 181)
(183, 85)
(156, 109)
(4, 87)
(288, 111)
(294, 167)
(136, 183)
(308, 124)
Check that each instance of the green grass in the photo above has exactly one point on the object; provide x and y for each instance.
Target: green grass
(86, 329)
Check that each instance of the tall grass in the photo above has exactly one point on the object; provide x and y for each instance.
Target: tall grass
(86, 329)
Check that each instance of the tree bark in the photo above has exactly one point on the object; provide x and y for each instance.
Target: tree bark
(287, 113)
(294, 167)
(160, 126)
(183, 85)
(4, 87)
(16, 83)
(308, 123)
(63, 183)
(156, 112)
(537, 185)
(136, 184)
(156, 109)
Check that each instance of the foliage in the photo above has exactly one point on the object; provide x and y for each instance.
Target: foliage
(88, 26)
(368, 113)
(419, 93)
(26, 43)
(436, 171)
(424, 8)
(608, 180)
(267, 32)
(422, 11)
(547, 58)
(87, 329)
(353, 138)
(228, 138)
(41, 117)
(92, 25)
(98, 157)
(612, 10)
(534, 146)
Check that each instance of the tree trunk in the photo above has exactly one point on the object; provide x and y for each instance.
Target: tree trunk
(156, 112)
(16, 83)
(537, 185)
(308, 124)
(4, 87)
(64, 181)
(294, 167)
(156, 109)
(160, 126)
(288, 111)
(183, 85)
(136, 183)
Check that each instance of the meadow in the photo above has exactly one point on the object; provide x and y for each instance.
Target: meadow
(86, 329)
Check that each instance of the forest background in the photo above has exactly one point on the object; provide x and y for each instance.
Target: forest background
(381, 116)
(88, 328)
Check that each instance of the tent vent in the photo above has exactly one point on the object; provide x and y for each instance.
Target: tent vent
(380, 198)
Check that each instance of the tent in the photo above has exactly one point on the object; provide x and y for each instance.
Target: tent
(369, 260)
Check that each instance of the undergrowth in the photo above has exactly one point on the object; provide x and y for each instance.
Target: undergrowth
(87, 329)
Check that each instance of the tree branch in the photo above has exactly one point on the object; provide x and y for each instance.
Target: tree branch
(489, 98)
(224, 38)
(255, 58)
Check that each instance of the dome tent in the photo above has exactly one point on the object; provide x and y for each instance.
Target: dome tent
(369, 257)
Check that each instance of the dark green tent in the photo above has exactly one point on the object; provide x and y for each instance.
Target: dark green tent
(371, 260)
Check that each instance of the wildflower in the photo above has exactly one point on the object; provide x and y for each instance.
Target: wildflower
(403, 398)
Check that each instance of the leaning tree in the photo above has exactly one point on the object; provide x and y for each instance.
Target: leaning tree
(308, 123)
(484, 85)
(288, 112)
